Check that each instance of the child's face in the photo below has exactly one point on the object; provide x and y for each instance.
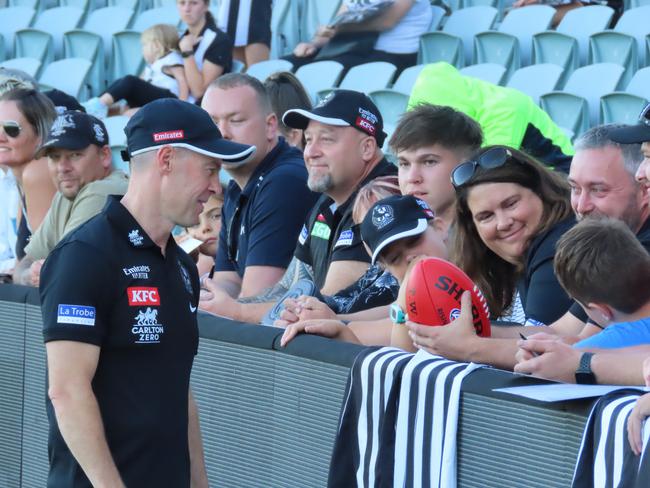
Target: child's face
(150, 51)
(397, 256)
(209, 226)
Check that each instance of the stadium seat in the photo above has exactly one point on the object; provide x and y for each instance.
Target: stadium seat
(237, 66)
(115, 128)
(614, 47)
(552, 47)
(285, 27)
(160, 15)
(82, 4)
(106, 22)
(56, 21)
(579, 23)
(36, 44)
(87, 45)
(30, 66)
(511, 44)
(570, 112)
(634, 22)
(621, 108)
(315, 13)
(11, 20)
(68, 75)
(439, 46)
(35, 5)
(319, 76)
(438, 13)
(477, 3)
(369, 77)
(264, 68)
(406, 79)
(536, 79)
(463, 24)
(116, 159)
(592, 82)
(391, 104)
(639, 85)
(126, 55)
(637, 3)
(164, 3)
(135, 5)
(491, 72)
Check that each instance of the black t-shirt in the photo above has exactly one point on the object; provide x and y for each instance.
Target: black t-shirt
(542, 297)
(264, 219)
(215, 45)
(644, 238)
(329, 233)
(108, 284)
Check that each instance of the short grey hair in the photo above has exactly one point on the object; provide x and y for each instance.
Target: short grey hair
(598, 138)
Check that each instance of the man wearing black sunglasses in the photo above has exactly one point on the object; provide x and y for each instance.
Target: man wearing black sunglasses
(79, 161)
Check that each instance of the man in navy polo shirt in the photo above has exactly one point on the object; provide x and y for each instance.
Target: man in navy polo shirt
(344, 135)
(119, 302)
(267, 199)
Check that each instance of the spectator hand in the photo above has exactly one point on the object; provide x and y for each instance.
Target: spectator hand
(216, 301)
(333, 329)
(304, 49)
(454, 340)
(35, 272)
(555, 361)
(188, 41)
(635, 423)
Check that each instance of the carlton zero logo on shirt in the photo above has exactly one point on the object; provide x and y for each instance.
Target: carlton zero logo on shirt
(75, 314)
(147, 330)
(143, 295)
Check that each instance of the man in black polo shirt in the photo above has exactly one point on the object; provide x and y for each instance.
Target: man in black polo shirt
(344, 134)
(119, 302)
(267, 199)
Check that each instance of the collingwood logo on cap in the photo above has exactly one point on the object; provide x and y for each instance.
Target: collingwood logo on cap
(382, 215)
(170, 135)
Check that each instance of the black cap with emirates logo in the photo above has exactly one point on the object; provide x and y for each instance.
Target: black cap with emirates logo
(342, 108)
(172, 122)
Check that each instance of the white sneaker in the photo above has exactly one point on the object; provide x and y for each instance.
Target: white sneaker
(95, 107)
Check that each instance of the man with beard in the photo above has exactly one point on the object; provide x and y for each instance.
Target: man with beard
(344, 134)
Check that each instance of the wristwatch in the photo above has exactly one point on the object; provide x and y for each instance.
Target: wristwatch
(584, 374)
(397, 315)
(187, 54)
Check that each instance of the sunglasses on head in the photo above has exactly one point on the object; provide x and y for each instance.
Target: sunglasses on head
(492, 158)
(11, 128)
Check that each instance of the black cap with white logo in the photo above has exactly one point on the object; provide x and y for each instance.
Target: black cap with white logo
(342, 108)
(634, 134)
(392, 219)
(172, 122)
(74, 130)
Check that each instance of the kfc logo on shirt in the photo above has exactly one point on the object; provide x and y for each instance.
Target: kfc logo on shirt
(142, 295)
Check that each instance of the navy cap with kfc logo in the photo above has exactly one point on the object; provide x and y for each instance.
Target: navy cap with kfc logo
(342, 108)
(172, 122)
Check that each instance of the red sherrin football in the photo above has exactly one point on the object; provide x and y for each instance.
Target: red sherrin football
(433, 295)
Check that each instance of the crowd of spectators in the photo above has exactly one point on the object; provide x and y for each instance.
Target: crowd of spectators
(555, 234)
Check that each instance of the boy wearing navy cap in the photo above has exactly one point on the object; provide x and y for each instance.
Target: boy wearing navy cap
(119, 301)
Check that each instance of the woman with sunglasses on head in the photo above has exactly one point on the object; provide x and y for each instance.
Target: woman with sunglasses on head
(510, 211)
(25, 119)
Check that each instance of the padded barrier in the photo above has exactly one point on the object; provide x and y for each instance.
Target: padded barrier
(269, 415)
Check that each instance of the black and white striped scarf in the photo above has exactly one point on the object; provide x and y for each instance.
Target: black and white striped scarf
(399, 421)
(605, 459)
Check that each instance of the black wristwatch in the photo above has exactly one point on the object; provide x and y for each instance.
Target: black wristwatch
(584, 374)
(187, 54)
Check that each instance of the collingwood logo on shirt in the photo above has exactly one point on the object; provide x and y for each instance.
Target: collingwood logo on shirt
(147, 330)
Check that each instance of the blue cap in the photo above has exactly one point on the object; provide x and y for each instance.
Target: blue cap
(172, 122)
